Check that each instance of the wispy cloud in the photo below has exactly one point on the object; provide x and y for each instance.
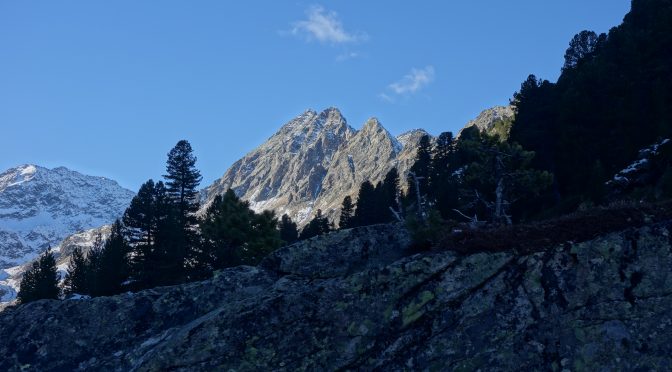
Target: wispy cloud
(408, 85)
(346, 56)
(325, 27)
(413, 82)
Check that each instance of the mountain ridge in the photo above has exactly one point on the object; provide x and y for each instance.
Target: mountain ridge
(40, 207)
(316, 159)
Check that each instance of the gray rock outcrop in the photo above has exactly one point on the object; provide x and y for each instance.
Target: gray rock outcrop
(357, 300)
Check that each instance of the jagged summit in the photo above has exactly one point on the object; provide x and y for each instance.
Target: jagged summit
(17, 175)
(311, 163)
(316, 159)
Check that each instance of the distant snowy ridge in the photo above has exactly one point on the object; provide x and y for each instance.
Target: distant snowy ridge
(40, 207)
(10, 278)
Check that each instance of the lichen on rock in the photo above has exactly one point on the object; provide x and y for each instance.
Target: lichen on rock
(357, 300)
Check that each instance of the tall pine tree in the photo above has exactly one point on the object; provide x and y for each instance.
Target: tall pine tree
(365, 212)
(234, 235)
(319, 225)
(422, 170)
(389, 197)
(150, 223)
(76, 281)
(41, 280)
(443, 178)
(288, 231)
(113, 268)
(182, 180)
(347, 213)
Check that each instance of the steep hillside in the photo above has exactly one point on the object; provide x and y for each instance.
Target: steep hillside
(356, 300)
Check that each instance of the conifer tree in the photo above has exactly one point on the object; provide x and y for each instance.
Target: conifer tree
(182, 180)
(225, 228)
(93, 266)
(233, 234)
(498, 177)
(365, 212)
(582, 45)
(422, 166)
(76, 279)
(288, 231)
(150, 230)
(113, 268)
(263, 239)
(140, 217)
(41, 280)
(319, 225)
(389, 196)
(443, 180)
(347, 213)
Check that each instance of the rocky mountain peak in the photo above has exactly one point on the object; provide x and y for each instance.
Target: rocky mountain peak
(412, 136)
(316, 159)
(17, 175)
(331, 114)
(373, 126)
(311, 163)
(487, 118)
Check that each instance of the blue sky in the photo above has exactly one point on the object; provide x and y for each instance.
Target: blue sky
(108, 87)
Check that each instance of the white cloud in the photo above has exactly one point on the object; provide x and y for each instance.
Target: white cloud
(325, 27)
(346, 56)
(413, 82)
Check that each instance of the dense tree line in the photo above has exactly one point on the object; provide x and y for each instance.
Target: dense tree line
(611, 100)
(40, 280)
(162, 241)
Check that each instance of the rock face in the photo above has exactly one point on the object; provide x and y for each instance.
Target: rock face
(315, 160)
(486, 120)
(39, 207)
(356, 300)
(312, 163)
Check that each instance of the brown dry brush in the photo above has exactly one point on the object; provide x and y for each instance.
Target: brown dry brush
(539, 236)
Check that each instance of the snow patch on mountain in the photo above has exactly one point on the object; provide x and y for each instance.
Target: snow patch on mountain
(10, 278)
(39, 207)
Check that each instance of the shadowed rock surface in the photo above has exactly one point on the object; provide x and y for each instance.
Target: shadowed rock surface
(356, 300)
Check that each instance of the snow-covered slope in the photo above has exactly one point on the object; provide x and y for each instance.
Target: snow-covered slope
(10, 278)
(39, 207)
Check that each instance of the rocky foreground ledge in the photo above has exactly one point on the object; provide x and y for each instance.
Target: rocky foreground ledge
(356, 300)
